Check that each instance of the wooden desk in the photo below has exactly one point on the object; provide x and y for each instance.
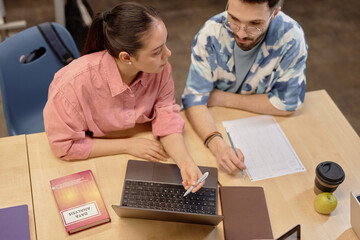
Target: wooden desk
(15, 187)
(318, 132)
(109, 173)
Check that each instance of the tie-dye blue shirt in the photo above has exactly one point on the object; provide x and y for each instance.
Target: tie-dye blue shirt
(278, 70)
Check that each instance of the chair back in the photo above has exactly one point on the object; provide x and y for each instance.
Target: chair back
(24, 84)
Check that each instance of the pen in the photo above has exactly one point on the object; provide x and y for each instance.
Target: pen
(201, 179)
(232, 145)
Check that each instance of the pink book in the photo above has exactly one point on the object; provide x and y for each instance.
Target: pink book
(79, 201)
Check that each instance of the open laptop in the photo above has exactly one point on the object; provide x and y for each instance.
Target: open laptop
(292, 234)
(355, 212)
(154, 191)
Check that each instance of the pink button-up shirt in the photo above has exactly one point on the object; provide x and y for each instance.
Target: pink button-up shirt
(89, 96)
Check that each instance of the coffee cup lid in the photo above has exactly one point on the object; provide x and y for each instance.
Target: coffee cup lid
(330, 172)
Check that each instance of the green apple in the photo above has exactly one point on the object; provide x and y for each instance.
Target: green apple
(325, 203)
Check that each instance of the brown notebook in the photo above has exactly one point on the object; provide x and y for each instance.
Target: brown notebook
(245, 213)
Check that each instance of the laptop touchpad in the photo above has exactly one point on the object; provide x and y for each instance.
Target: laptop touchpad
(167, 173)
(139, 170)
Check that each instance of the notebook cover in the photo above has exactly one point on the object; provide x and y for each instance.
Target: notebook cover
(79, 201)
(245, 213)
(14, 223)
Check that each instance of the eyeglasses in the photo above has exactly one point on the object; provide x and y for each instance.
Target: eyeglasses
(250, 30)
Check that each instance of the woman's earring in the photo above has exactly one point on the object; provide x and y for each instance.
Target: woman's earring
(129, 62)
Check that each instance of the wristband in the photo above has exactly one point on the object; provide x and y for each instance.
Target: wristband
(211, 136)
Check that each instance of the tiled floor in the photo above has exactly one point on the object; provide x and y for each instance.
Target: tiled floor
(331, 28)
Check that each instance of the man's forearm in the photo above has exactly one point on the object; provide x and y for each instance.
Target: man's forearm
(258, 103)
(201, 120)
(204, 124)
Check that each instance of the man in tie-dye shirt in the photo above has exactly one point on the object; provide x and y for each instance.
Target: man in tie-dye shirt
(250, 57)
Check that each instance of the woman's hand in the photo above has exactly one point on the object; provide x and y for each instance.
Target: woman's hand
(148, 149)
(190, 175)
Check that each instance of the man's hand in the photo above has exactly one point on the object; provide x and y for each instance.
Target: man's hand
(226, 157)
(147, 149)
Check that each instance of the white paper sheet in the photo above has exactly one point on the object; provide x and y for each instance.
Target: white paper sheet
(266, 149)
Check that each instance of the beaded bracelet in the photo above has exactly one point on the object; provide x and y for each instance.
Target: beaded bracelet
(211, 136)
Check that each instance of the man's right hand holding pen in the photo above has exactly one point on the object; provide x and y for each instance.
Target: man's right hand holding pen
(228, 160)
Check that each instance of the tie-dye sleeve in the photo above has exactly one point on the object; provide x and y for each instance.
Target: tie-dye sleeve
(288, 89)
(199, 83)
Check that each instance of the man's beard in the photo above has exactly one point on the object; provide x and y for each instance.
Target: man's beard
(251, 42)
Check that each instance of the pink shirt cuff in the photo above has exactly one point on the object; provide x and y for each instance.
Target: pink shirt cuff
(167, 121)
(79, 149)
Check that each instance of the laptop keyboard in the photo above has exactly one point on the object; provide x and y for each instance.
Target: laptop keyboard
(168, 197)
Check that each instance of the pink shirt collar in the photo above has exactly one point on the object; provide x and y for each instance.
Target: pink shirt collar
(116, 85)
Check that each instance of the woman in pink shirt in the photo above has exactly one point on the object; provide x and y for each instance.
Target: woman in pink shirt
(122, 79)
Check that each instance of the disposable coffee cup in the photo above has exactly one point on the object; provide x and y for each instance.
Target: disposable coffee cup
(329, 175)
